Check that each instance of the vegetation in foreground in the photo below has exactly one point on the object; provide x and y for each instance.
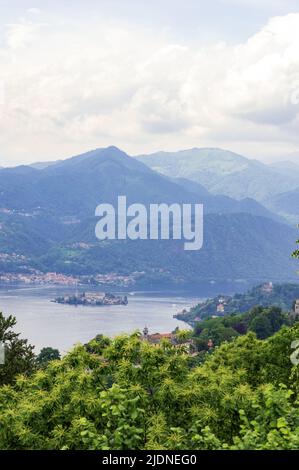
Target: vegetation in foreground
(129, 394)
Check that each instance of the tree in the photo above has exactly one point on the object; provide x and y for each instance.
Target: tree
(296, 252)
(261, 326)
(46, 355)
(98, 344)
(19, 356)
(182, 336)
(131, 394)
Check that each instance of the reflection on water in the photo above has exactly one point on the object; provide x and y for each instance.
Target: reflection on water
(45, 323)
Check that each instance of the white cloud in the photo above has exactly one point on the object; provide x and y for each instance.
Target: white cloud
(72, 86)
(21, 34)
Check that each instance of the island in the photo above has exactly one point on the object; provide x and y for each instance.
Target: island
(92, 298)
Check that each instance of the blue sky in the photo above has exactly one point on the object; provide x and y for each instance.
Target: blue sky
(147, 76)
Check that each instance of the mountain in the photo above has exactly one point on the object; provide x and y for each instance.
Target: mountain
(223, 172)
(286, 203)
(75, 186)
(47, 223)
(220, 204)
(236, 246)
(43, 165)
(287, 167)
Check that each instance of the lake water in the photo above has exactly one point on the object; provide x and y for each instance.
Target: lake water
(45, 323)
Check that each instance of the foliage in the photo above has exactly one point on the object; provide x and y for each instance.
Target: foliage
(46, 355)
(48, 243)
(126, 393)
(264, 322)
(19, 356)
(296, 252)
(281, 296)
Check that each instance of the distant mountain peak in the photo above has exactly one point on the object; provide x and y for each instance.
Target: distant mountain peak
(110, 150)
(113, 148)
(224, 172)
(93, 157)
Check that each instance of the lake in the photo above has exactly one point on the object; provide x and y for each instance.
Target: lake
(45, 323)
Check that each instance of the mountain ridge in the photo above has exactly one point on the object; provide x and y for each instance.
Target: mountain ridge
(47, 223)
(222, 172)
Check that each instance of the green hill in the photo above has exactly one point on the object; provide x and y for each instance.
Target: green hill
(47, 219)
(281, 295)
(224, 172)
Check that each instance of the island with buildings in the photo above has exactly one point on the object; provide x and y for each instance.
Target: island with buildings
(92, 298)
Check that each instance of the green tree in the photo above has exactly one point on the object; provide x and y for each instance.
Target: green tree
(275, 425)
(296, 252)
(46, 355)
(98, 344)
(182, 336)
(261, 326)
(135, 395)
(19, 356)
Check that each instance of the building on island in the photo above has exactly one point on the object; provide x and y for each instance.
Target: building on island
(92, 298)
(268, 287)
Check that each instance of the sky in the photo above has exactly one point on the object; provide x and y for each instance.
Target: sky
(148, 76)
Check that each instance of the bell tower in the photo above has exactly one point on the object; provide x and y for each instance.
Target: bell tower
(145, 332)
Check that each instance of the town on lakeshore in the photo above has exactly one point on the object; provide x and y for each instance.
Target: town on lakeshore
(52, 278)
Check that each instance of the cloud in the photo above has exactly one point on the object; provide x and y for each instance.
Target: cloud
(70, 86)
(34, 11)
(261, 3)
(21, 34)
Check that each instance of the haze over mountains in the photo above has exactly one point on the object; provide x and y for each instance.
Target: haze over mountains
(47, 221)
(76, 185)
(227, 173)
(286, 204)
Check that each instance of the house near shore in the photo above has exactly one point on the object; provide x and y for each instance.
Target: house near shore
(157, 338)
(220, 308)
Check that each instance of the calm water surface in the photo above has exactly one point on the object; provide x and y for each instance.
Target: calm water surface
(45, 323)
